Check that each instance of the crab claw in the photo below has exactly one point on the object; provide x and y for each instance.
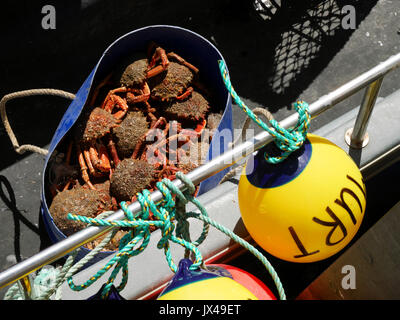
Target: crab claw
(200, 127)
(195, 132)
(158, 54)
(186, 94)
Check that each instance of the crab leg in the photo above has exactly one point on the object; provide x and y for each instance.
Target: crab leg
(158, 54)
(144, 137)
(99, 158)
(86, 155)
(119, 114)
(114, 203)
(153, 119)
(150, 110)
(104, 163)
(200, 127)
(157, 148)
(186, 94)
(97, 90)
(160, 158)
(67, 185)
(197, 131)
(69, 152)
(173, 55)
(155, 71)
(122, 104)
(145, 90)
(108, 105)
(165, 131)
(113, 151)
(82, 164)
(168, 171)
(111, 93)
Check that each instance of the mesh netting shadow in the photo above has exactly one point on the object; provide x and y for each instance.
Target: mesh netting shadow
(294, 46)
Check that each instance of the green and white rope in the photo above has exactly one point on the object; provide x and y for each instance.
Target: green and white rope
(165, 213)
(49, 279)
(287, 140)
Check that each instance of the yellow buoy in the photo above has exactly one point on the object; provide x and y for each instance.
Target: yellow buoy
(202, 284)
(306, 208)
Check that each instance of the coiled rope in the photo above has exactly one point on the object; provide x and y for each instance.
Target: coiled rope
(48, 280)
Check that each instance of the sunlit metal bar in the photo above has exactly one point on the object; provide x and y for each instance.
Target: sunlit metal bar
(359, 137)
(201, 173)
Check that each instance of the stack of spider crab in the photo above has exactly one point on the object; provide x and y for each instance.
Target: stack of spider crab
(146, 121)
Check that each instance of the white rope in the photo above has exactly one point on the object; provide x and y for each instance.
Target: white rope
(21, 94)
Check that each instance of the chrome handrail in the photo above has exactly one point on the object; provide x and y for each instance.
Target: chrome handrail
(373, 77)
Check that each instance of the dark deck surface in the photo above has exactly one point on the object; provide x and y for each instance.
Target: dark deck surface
(375, 259)
(303, 51)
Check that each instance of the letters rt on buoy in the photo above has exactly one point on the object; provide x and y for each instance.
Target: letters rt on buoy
(306, 208)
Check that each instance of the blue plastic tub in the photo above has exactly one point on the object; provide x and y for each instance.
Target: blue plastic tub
(188, 44)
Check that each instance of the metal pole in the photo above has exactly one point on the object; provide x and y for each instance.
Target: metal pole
(355, 85)
(358, 135)
(201, 173)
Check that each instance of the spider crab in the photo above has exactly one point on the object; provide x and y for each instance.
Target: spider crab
(129, 132)
(83, 201)
(148, 163)
(176, 82)
(133, 82)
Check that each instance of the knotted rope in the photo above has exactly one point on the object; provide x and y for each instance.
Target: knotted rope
(165, 213)
(48, 280)
(233, 172)
(286, 140)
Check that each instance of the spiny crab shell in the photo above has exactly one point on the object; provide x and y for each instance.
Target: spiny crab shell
(129, 132)
(135, 73)
(131, 176)
(80, 200)
(95, 124)
(171, 83)
(193, 108)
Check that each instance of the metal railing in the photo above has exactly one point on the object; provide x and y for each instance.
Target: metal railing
(371, 79)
